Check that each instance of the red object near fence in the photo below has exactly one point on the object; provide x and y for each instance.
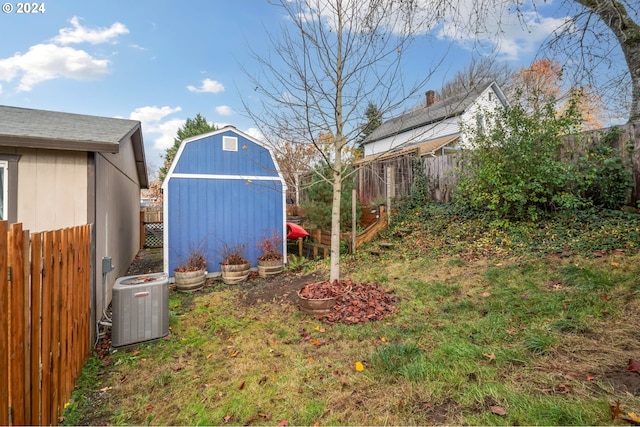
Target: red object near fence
(294, 231)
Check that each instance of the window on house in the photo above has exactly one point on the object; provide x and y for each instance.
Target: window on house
(229, 143)
(4, 191)
(481, 123)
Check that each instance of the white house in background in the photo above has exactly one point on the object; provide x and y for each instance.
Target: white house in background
(437, 125)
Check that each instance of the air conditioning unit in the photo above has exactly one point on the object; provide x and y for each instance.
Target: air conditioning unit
(140, 309)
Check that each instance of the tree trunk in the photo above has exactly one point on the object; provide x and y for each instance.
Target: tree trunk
(334, 272)
(338, 144)
(627, 32)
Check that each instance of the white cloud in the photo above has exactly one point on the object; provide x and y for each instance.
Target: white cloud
(154, 126)
(44, 62)
(47, 61)
(473, 25)
(255, 133)
(224, 110)
(80, 34)
(168, 131)
(508, 34)
(208, 85)
(152, 114)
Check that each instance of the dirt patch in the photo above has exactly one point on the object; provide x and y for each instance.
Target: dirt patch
(257, 290)
(278, 288)
(146, 261)
(623, 381)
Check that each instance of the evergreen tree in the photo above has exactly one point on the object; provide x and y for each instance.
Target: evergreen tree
(374, 120)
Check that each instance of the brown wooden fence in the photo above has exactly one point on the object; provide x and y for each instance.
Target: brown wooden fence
(151, 227)
(45, 281)
(392, 174)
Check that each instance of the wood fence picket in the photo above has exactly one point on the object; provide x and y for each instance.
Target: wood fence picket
(45, 281)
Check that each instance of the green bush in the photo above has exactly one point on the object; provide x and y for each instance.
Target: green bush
(515, 168)
(606, 176)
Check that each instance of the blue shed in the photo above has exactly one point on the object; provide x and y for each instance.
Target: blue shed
(223, 188)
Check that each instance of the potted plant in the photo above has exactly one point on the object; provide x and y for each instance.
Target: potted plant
(234, 266)
(271, 260)
(191, 275)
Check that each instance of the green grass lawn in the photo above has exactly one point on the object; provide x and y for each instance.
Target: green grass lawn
(496, 324)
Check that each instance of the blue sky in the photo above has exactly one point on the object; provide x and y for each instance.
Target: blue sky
(163, 61)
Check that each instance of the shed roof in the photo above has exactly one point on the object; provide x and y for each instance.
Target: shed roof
(31, 128)
(441, 110)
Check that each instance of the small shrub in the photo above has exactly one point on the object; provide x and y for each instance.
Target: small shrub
(195, 261)
(270, 248)
(233, 254)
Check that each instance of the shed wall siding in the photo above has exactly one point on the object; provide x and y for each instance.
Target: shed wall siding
(52, 189)
(206, 156)
(210, 213)
(216, 198)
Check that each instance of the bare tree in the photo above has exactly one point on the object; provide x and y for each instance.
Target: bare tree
(478, 72)
(596, 36)
(331, 59)
(295, 159)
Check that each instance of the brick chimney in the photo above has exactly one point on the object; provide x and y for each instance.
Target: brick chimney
(431, 97)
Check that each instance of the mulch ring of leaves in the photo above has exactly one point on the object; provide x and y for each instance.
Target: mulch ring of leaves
(355, 302)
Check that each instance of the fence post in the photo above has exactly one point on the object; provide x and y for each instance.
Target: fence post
(142, 236)
(4, 326)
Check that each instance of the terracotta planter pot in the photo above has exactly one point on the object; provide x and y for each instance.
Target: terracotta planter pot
(234, 273)
(269, 268)
(188, 281)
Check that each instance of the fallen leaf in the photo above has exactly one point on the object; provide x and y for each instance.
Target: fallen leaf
(486, 294)
(283, 423)
(498, 410)
(226, 419)
(615, 409)
(563, 388)
(311, 359)
(489, 356)
(249, 420)
(241, 386)
(633, 417)
(209, 355)
(614, 264)
(234, 353)
(590, 377)
(359, 366)
(634, 366)
(383, 339)
(262, 380)
(148, 407)
(604, 297)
